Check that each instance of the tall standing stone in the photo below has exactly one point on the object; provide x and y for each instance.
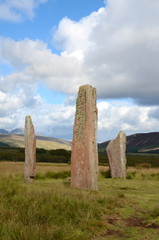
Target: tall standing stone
(84, 158)
(30, 151)
(116, 155)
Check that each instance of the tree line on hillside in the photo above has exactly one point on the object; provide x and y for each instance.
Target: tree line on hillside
(42, 155)
(63, 156)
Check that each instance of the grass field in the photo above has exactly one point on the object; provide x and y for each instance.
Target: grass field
(49, 209)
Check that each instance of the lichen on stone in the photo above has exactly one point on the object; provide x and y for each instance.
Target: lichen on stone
(80, 118)
(84, 157)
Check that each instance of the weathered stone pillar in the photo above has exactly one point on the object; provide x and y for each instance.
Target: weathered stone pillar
(116, 155)
(30, 151)
(84, 158)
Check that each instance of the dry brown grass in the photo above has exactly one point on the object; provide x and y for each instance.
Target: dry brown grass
(11, 169)
(16, 168)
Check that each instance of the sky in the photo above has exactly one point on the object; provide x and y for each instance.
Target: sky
(48, 48)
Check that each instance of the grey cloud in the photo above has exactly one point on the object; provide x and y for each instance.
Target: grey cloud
(57, 120)
(120, 58)
(154, 113)
(120, 54)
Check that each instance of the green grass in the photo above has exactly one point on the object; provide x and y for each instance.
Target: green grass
(49, 209)
(53, 175)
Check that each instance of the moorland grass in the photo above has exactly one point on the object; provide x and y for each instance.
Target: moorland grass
(49, 209)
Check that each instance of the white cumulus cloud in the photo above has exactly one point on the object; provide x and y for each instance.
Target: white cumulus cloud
(124, 116)
(121, 51)
(17, 10)
(115, 49)
(57, 119)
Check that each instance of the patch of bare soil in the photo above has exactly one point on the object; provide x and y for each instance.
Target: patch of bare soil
(112, 220)
(140, 222)
(133, 221)
(112, 232)
(116, 233)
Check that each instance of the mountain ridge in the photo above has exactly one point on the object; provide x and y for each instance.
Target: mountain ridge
(13, 131)
(138, 142)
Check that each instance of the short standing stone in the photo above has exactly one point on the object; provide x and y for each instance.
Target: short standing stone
(116, 155)
(30, 151)
(84, 158)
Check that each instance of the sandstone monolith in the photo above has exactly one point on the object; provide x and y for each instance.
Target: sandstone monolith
(116, 155)
(84, 158)
(30, 150)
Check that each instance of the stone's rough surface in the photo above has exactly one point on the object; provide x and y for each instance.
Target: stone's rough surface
(116, 155)
(30, 150)
(84, 158)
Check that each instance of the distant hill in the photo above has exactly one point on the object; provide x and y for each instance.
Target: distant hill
(139, 142)
(136, 143)
(14, 131)
(17, 131)
(4, 131)
(17, 140)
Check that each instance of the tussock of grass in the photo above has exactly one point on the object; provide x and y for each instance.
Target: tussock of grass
(143, 165)
(150, 176)
(154, 213)
(53, 175)
(131, 175)
(105, 173)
